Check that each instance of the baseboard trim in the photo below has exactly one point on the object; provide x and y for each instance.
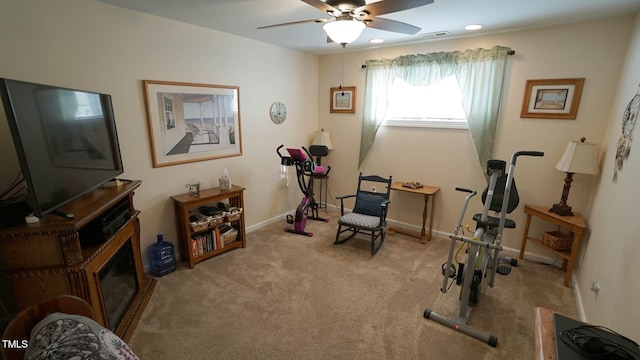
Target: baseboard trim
(582, 315)
(264, 223)
(511, 252)
(436, 234)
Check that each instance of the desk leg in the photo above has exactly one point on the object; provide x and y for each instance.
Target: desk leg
(572, 259)
(525, 236)
(423, 233)
(424, 220)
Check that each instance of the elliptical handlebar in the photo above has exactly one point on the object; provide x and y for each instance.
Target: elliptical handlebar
(525, 153)
(467, 198)
(529, 153)
(510, 171)
(473, 192)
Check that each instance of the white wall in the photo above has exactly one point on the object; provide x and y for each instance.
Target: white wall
(94, 46)
(611, 251)
(447, 158)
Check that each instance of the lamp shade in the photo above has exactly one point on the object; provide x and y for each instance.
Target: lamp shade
(322, 138)
(344, 31)
(579, 158)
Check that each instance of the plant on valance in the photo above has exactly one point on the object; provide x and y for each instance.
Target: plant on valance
(479, 72)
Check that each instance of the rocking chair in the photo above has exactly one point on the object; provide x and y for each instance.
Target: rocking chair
(369, 215)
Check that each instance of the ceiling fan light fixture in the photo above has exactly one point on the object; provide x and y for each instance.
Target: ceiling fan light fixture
(344, 31)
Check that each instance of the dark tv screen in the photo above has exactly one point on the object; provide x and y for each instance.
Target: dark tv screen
(65, 139)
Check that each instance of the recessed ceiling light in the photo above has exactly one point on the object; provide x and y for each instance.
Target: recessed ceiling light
(473, 27)
(376, 41)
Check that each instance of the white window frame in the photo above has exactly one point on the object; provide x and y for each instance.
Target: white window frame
(427, 123)
(439, 123)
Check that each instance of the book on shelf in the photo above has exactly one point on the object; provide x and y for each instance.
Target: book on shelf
(218, 238)
(194, 248)
(211, 240)
(208, 242)
(225, 228)
(200, 246)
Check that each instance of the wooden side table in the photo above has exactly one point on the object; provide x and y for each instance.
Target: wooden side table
(427, 192)
(575, 224)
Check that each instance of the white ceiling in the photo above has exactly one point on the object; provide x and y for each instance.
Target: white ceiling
(242, 17)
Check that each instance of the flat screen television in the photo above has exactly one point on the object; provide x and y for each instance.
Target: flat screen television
(65, 139)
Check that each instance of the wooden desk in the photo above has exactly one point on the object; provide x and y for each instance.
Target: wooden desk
(575, 224)
(427, 192)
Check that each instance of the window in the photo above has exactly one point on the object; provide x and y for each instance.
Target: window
(436, 105)
(169, 115)
(88, 105)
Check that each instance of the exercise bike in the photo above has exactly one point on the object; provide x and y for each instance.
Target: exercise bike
(482, 259)
(306, 169)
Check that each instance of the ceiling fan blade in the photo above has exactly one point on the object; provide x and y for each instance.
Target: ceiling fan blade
(295, 23)
(390, 6)
(321, 5)
(392, 25)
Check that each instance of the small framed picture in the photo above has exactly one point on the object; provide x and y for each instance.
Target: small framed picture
(343, 99)
(552, 98)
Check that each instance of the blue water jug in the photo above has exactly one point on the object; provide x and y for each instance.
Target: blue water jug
(162, 257)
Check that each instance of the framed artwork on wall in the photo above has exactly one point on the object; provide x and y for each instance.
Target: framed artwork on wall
(552, 98)
(343, 99)
(191, 122)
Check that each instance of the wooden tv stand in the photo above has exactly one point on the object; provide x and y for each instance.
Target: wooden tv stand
(60, 256)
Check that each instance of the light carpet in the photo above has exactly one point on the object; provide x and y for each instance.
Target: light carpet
(287, 296)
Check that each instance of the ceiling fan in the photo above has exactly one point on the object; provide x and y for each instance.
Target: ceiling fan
(350, 17)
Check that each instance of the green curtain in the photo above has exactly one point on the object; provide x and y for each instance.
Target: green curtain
(480, 73)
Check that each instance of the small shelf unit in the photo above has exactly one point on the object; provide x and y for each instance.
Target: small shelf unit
(186, 204)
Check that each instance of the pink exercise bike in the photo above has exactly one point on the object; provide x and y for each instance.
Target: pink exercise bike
(306, 169)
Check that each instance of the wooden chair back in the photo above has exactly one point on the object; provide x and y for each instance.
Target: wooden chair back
(369, 202)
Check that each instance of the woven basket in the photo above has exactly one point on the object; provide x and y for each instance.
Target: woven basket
(557, 240)
(230, 236)
(216, 220)
(199, 226)
(233, 216)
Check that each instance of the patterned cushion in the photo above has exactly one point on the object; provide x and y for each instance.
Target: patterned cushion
(360, 220)
(66, 336)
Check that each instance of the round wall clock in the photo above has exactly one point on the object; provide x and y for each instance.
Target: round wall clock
(278, 112)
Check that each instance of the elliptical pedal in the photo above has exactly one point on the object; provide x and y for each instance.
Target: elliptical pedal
(505, 264)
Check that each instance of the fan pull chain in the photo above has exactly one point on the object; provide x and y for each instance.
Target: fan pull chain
(341, 73)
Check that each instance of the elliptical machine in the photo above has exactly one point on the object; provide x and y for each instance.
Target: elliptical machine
(306, 169)
(483, 249)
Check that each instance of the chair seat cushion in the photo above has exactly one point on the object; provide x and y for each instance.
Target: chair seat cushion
(360, 220)
(68, 336)
(494, 222)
